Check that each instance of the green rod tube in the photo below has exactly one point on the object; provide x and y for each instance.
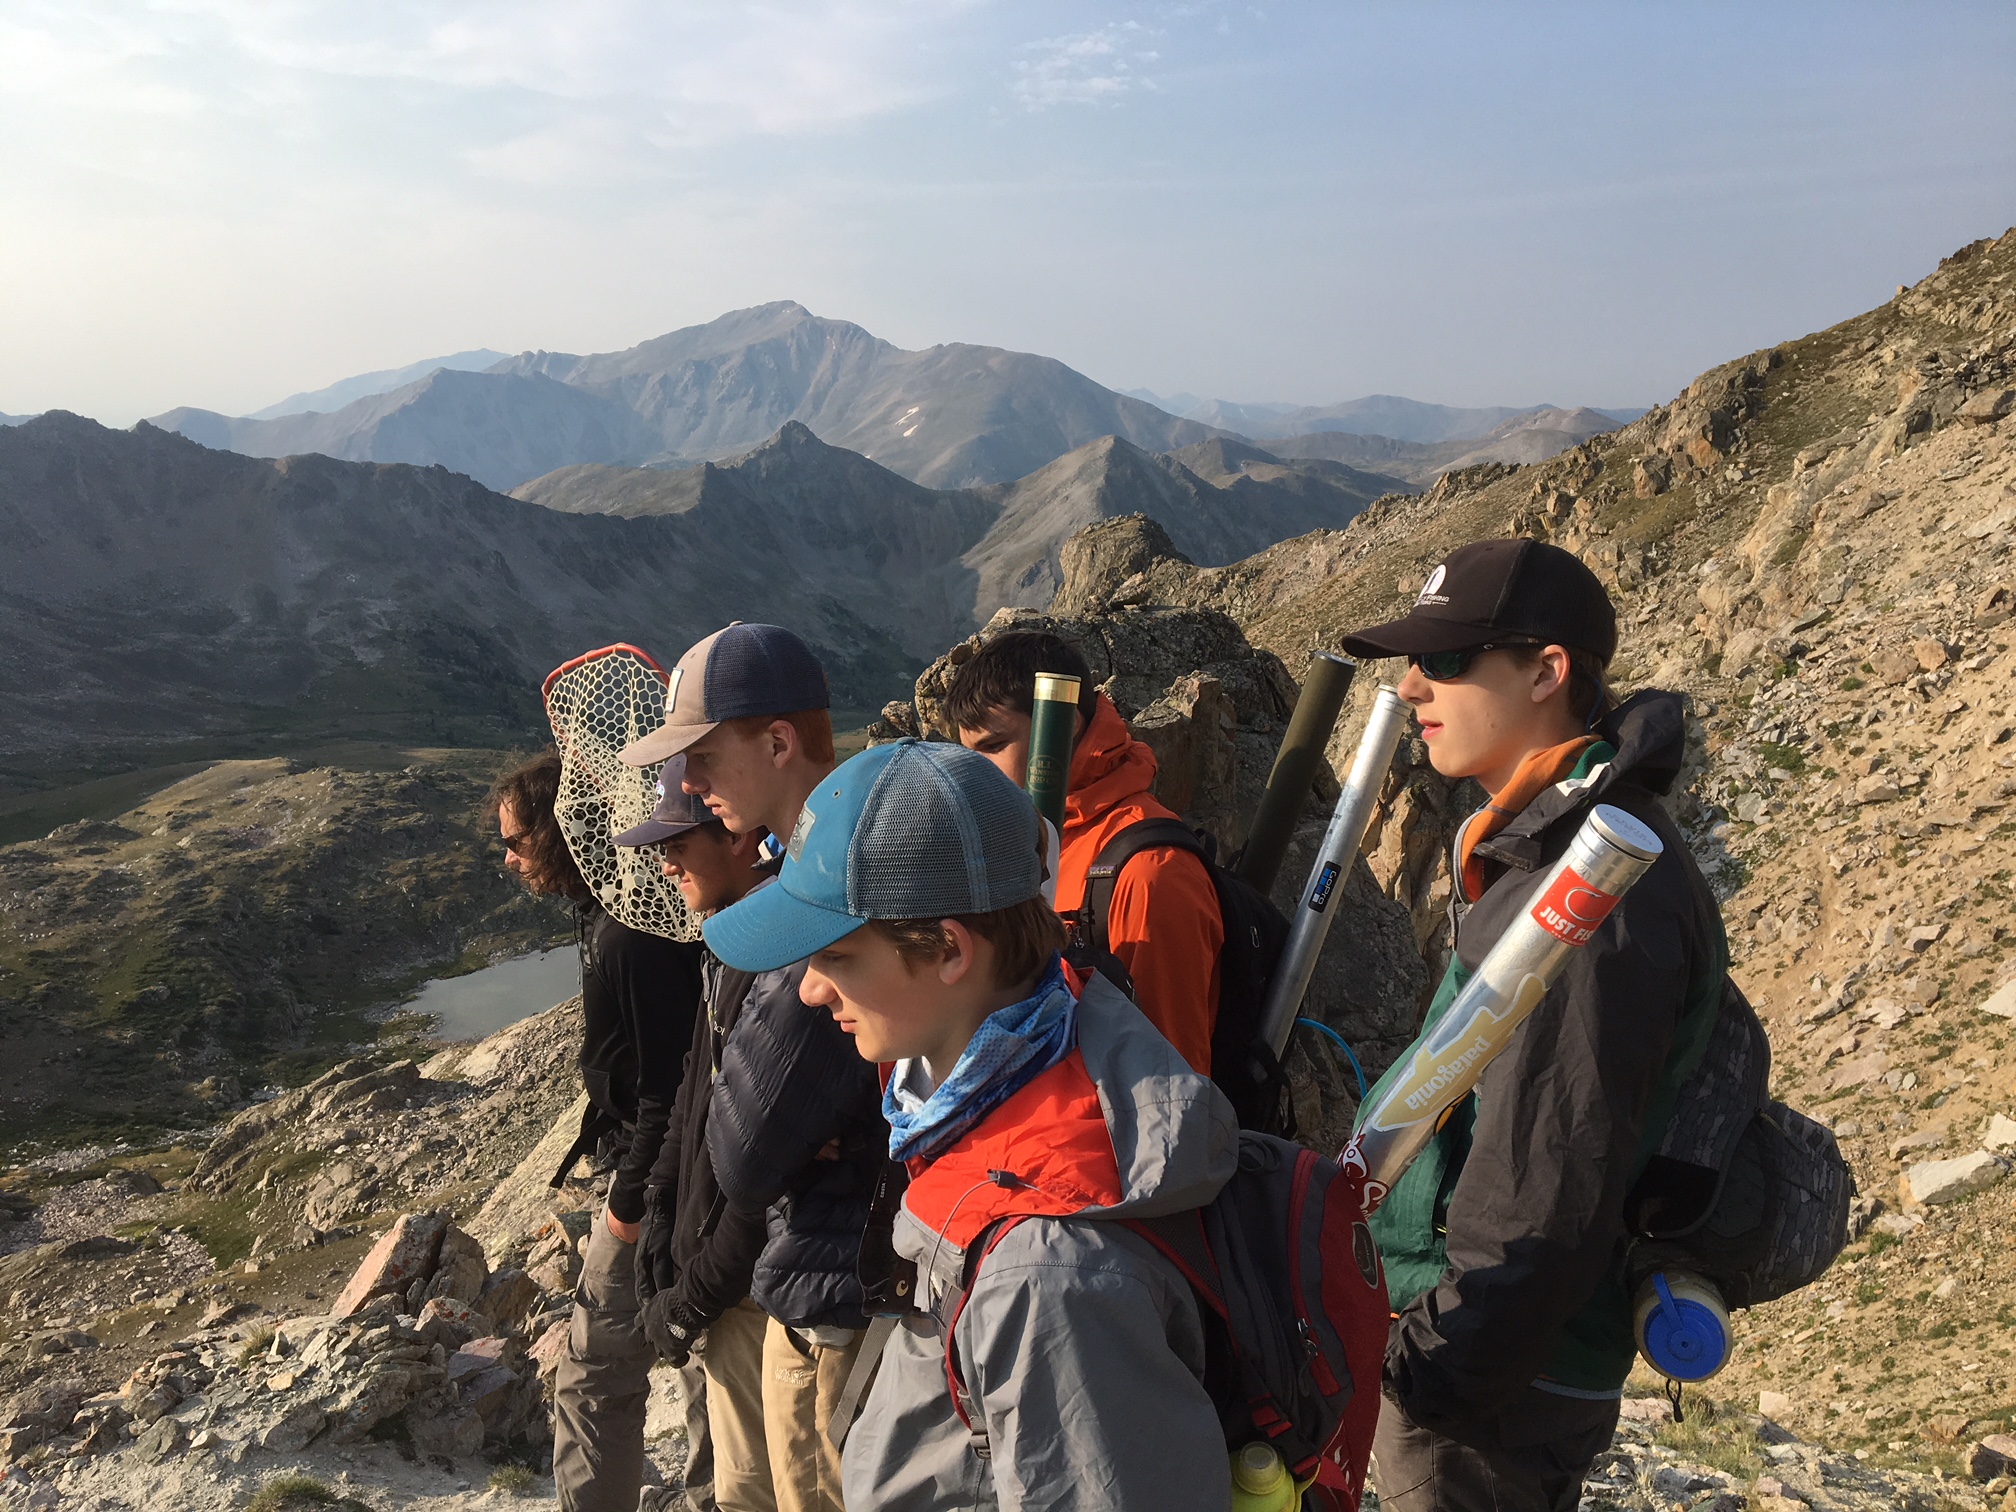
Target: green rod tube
(1053, 727)
(1324, 687)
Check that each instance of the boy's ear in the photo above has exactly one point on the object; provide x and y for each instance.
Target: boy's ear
(957, 963)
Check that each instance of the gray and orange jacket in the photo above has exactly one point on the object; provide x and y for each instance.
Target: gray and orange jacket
(1504, 1243)
(1081, 1347)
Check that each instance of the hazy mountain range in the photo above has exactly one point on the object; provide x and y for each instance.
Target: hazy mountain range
(1374, 415)
(157, 591)
(364, 385)
(953, 416)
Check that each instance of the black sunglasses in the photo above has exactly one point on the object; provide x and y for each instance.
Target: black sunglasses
(1447, 666)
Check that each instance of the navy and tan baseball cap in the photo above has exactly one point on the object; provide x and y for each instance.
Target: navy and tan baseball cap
(677, 812)
(1492, 589)
(733, 674)
(909, 830)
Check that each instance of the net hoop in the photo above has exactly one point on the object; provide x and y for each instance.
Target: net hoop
(598, 703)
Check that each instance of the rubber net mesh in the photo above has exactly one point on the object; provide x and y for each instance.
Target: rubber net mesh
(597, 704)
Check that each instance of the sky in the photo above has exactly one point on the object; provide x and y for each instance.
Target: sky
(221, 202)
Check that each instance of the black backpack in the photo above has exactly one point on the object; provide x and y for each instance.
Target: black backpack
(1243, 1064)
(1745, 1191)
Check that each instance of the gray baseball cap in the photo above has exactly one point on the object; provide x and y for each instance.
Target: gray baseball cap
(677, 812)
(908, 830)
(734, 673)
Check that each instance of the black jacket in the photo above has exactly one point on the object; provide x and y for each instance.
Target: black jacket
(712, 1250)
(1518, 1204)
(640, 995)
(792, 1083)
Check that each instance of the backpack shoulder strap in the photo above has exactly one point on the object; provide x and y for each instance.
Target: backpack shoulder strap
(1180, 1239)
(1103, 875)
(955, 1376)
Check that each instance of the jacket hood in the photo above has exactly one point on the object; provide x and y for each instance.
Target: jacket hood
(1108, 767)
(1647, 734)
(1120, 1128)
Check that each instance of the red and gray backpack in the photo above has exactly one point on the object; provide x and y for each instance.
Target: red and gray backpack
(1289, 1285)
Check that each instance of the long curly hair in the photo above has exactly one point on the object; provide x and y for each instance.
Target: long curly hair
(531, 789)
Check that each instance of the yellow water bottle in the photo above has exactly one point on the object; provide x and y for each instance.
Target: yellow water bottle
(1261, 1482)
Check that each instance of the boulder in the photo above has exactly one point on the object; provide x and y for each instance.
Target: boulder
(460, 1270)
(2001, 1133)
(295, 1429)
(405, 1253)
(1099, 561)
(451, 1323)
(1992, 1456)
(507, 1297)
(1986, 407)
(454, 1434)
(1930, 1182)
(2002, 1001)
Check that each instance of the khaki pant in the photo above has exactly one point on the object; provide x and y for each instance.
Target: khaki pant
(690, 1390)
(802, 1383)
(732, 1352)
(602, 1385)
(1530, 1457)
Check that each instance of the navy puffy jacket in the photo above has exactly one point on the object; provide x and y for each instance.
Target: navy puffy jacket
(791, 1084)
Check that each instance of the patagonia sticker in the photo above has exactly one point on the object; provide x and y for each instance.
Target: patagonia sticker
(801, 831)
(1319, 896)
(1572, 909)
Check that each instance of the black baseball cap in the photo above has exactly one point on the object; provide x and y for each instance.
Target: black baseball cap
(677, 812)
(1489, 590)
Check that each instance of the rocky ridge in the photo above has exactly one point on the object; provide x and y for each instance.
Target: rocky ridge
(1815, 544)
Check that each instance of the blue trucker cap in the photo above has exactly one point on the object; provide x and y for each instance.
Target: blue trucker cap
(911, 830)
(733, 674)
(677, 812)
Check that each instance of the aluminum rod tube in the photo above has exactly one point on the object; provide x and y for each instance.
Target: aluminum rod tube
(1348, 823)
(1324, 687)
(1609, 852)
(1053, 727)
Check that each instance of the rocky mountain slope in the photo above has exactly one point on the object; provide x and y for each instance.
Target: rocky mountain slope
(160, 592)
(1818, 544)
(953, 416)
(231, 931)
(155, 591)
(992, 546)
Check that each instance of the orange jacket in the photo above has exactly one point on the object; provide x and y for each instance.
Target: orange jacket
(1165, 925)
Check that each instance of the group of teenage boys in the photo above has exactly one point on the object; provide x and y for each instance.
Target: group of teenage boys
(881, 1038)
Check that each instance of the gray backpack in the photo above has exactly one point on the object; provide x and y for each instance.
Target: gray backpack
(1744, 1191)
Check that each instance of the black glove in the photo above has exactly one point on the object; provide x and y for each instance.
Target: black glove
(656, 1271)
(672, 1327)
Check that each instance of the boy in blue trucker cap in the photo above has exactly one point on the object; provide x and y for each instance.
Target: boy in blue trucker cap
(1027, 1110)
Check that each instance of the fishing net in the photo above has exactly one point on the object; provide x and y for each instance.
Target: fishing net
(597, 704)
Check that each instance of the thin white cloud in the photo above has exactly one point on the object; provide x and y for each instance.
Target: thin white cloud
(532, 91)
(1097, 67)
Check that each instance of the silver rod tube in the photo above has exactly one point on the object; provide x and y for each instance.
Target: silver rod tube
(1348, 823)
(1610, 851)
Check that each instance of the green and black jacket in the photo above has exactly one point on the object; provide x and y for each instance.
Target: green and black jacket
(1505, 1242)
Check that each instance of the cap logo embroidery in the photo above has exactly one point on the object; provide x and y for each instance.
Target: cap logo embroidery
(672, 689)
(801, 832)
(1431, 591)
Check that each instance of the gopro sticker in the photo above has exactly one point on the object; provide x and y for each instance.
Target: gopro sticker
(1319, 896)
(801, 831)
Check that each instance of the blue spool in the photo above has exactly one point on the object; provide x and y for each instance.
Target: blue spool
(1685, 1337)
